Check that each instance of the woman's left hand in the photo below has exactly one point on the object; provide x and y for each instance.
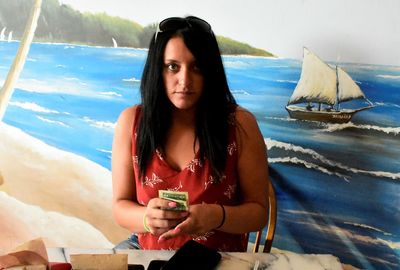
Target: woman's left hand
(202, 218)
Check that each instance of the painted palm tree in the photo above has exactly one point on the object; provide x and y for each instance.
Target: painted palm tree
(19, 61)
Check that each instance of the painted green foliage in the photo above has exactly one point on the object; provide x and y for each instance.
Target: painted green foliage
(62, 23)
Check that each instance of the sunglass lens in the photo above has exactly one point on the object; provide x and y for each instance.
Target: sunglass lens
(171, 24)
(199, 23)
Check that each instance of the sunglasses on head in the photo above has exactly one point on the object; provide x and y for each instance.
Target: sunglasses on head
(175, 23)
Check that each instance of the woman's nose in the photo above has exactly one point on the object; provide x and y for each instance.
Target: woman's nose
(184, 78)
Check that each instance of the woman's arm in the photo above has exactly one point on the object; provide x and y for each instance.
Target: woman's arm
(127, 212)
(252, 213)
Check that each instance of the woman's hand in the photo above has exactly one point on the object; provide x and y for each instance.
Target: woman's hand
(202, 218)
(159, 219)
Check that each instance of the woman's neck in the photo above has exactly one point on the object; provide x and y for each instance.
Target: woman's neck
(184, 117)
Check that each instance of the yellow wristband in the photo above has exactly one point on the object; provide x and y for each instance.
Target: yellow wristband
(145, 226)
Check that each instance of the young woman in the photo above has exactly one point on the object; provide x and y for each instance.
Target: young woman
(188, 134)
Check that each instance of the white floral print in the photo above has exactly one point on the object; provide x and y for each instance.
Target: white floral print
(192, 164)
(230, 191)
(211, 180)
(232, 148)
(159, 154)
(203, 237)
(177, 188)
(154, 180)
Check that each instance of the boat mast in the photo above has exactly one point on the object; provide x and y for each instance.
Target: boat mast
(337, 89)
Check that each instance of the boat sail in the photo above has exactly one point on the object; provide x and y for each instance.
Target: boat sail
(9, 39)
(322, 84)
(115, 44)
(2, 33)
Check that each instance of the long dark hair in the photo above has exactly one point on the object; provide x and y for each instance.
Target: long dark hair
(212, 110)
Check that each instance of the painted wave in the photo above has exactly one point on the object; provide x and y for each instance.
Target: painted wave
(331, 227)
(326, 127)
(133, 79)
(385, 76)
(99, 124)
(287, 81)
(71, 86)
(367, 227)
(49, 121)
(338, 127)
(110, 94)
(31, 106)
(387, 104)
(240, 92)
(322, 159)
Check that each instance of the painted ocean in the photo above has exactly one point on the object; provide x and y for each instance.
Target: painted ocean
(338, 185)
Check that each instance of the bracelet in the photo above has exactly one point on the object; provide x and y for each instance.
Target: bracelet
(146, 227)
(223, 217)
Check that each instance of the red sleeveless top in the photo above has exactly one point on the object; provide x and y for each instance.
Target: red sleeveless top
(201, 186)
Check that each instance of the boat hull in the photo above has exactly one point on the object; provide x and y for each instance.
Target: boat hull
(322, 116)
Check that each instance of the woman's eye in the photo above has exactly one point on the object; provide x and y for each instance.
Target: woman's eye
(172, 67)
(196, 68)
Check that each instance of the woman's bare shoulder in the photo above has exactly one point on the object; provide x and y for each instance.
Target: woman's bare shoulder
(247, 129)
(127, 117)
(244, 117)
(128, 114)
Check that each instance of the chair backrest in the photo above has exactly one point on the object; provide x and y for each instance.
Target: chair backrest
(270, 225)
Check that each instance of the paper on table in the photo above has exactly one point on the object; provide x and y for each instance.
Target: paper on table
(30, 253)
(99, 261)
(28, 267)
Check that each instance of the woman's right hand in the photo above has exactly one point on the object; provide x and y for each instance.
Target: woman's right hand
(159, 219)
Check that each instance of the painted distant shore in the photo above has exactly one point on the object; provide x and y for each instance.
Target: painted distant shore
(98, 29)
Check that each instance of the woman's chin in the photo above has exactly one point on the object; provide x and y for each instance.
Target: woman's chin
(185, 106)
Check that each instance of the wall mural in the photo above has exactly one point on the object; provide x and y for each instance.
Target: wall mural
(334, 158)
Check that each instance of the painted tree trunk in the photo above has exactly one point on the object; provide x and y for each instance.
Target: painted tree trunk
(19, 61)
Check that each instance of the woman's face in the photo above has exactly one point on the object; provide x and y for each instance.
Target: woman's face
(182, 78)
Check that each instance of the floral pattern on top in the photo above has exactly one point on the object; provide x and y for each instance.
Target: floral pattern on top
(203, 237)
(193, 164)
(232, 148)
(177, 188)
(154, 180)
(230, 191)
(211, 180)
(158, 152)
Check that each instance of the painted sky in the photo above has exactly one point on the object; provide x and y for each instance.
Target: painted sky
(361, 31)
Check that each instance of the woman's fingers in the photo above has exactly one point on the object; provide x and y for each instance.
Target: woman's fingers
(202, 219)
(159, 219)
(165, 214)
(163, 204)
(163, 222)
(170, 234)
(160, 226)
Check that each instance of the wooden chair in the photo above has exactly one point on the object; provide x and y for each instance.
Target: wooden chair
(270, 225)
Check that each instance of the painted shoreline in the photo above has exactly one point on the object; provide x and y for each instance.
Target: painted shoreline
(49, 193)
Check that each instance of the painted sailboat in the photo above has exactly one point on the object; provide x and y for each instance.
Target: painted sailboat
(115, 44)
(322, 89)
(3, 33)
(9, 39)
